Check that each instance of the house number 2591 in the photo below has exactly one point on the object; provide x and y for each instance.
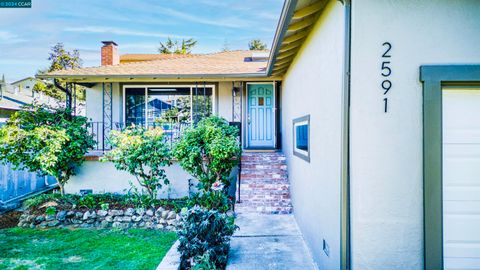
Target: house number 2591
(386, 71)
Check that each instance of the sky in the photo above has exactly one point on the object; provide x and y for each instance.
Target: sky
(137, 26)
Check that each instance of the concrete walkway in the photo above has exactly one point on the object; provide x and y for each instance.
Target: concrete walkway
(268, 242)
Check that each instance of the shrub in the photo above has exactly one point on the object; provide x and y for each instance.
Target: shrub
(46, 140)
(211, 200)
(88, 201)
(50, 211)
(204, 237)
(144, 154)
(41, 199)
(104, 201)
(209, 151)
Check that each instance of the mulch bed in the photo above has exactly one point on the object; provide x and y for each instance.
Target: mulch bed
(9, 219)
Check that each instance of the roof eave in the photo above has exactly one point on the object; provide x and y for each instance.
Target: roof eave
(282, 26)
(162, 76)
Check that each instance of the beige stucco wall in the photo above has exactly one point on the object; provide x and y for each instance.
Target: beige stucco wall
(94, 102)
(313, 86)
(102, 177)
(386, 148)
(224, 103)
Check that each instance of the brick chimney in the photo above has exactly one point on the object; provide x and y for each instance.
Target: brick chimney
(110, 53)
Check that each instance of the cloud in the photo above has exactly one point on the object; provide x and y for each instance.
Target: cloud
(119, 31)
(231, 22)
(9, 38)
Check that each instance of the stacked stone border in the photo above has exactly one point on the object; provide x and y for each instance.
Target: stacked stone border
(159, 219)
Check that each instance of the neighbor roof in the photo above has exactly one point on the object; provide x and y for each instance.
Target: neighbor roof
(132, 57)
(12, 102)
(229, 63)
(24, 79)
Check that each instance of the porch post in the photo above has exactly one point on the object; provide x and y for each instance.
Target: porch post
(204, 100)
(74, 99)
(68, 98)
(195, 109)
(107, 108)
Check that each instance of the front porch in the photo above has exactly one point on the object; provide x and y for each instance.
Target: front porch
(252, 106)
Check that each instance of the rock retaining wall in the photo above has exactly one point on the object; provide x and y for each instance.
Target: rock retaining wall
(160, 219)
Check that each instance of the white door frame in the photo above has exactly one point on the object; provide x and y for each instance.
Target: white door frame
(247, 139)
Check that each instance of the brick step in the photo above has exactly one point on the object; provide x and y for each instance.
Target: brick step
(261, 184)
(260, 166)
(263, 209)
(266, 178)
(265, 182)
(265, 195)
(276, 158)
(264, 190)
(263, 154)
(260, 202)
(263, 158)
(264, 186)
(263, 179)
(250, 164)
(264, 171)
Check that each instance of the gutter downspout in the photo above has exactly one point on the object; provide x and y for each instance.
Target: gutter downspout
(345, 160)
(67, 92)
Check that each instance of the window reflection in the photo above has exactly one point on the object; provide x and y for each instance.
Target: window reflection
(167, 105)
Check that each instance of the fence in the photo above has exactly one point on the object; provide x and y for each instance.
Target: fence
(101, 134)
(15, 184)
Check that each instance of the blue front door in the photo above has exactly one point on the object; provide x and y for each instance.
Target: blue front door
(261, 116)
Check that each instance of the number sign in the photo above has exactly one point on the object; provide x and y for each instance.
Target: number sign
(386, 71)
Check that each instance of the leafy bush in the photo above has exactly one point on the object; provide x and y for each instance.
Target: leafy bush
(50, 211)
(99, 201)
(88, 201)
(209, 151)
(211, 200)
(43, 198)
(142, 153)
(105, 206)
(204, 238)
(46, 140)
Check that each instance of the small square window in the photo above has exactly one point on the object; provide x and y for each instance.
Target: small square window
(301, 137)
(261, 101)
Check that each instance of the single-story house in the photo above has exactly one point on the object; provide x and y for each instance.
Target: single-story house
(373, 104)
(25, 86)
(19, 93)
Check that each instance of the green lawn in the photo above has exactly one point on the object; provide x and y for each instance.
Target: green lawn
(83, 249)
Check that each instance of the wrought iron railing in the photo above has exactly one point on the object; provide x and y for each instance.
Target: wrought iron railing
(101, 132)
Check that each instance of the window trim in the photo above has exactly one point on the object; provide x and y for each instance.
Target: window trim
(296, 152)
(166, 86)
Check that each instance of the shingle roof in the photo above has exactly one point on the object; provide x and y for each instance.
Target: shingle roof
(133, 57)
(222, 63)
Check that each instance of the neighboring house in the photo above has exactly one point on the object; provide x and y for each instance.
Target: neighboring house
(25, 86)
(15, 95)
(16, 184)
(373, 103)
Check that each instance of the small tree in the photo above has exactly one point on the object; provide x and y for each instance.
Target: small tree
(176, 47)
(257, 45)
(46, 140)
(142, 153)
(209, 151)
(60, 59)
